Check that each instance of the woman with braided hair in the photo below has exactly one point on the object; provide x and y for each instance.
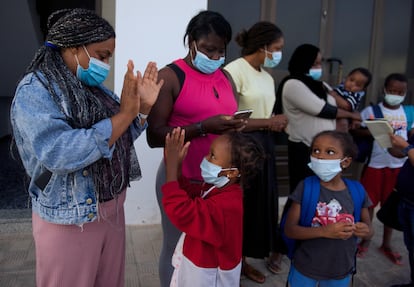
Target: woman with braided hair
(75, 138)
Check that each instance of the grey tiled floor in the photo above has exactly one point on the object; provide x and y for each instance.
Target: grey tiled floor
(17, 261)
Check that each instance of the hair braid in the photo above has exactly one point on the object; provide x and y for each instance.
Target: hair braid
(82, 105)
(70, 28)
(77, 27)
(247, 155)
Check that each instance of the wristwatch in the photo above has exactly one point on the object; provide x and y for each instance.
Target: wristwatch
(406, 149)
(200, 129)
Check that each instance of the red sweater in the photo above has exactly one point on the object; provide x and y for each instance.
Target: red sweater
(213, 225)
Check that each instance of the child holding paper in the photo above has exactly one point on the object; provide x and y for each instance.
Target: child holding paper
(380, 176)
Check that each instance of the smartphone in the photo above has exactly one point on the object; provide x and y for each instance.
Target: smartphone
(243, 114)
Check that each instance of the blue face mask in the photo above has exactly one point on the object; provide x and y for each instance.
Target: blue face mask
(210, 171)
(95, 74)
(315, 74)
(204, 64)
(325, 169)
(276, 58)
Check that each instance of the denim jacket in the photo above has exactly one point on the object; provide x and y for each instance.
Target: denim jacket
(46, 141)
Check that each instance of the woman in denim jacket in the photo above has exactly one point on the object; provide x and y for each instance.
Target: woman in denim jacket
(75, 138)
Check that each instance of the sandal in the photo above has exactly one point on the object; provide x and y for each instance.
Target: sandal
(252, 273)
(273, 263)
(395, 257)
(361, 251)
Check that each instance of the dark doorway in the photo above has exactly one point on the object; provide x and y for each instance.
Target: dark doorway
(45, 7)
(28, 32)
(13, 178)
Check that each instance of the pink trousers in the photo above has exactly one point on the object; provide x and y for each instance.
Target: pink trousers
(88, 256)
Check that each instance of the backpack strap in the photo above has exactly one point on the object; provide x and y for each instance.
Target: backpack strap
(358, 196)
(310, 199)
(310, 196)
(409, 115)
(377, 111)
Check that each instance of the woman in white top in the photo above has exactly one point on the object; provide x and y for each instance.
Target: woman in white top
(261, 47)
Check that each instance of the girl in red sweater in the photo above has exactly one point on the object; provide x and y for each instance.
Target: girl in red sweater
(210, 215)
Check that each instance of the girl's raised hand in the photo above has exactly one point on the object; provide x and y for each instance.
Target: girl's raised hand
(175, 149)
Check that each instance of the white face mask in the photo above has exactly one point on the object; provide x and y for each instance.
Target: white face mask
(393, 100)
(325, 169)
(210, 172)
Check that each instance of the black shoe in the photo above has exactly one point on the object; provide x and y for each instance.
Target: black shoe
(404, 285)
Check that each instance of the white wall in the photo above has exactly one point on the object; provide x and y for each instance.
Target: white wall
(149, 31)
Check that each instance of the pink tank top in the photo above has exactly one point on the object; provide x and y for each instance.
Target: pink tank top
(201, 97)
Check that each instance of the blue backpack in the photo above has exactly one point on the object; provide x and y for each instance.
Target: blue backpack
(310, 199)
(409, 114)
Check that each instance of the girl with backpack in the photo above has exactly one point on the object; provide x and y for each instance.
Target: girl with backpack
(338, 216)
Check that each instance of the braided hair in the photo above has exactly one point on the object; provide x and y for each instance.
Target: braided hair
(83, 106)
(247, 155)
(70, 28)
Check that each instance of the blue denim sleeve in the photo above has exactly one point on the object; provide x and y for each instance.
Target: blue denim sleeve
(47, 137)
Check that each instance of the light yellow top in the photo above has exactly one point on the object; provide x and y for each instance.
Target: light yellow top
(256, 89)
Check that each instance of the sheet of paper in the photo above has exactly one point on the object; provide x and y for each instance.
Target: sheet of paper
(380, 130)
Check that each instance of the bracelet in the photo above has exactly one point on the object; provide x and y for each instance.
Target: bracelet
(142, 116)
(406, 149)
(200, 129)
